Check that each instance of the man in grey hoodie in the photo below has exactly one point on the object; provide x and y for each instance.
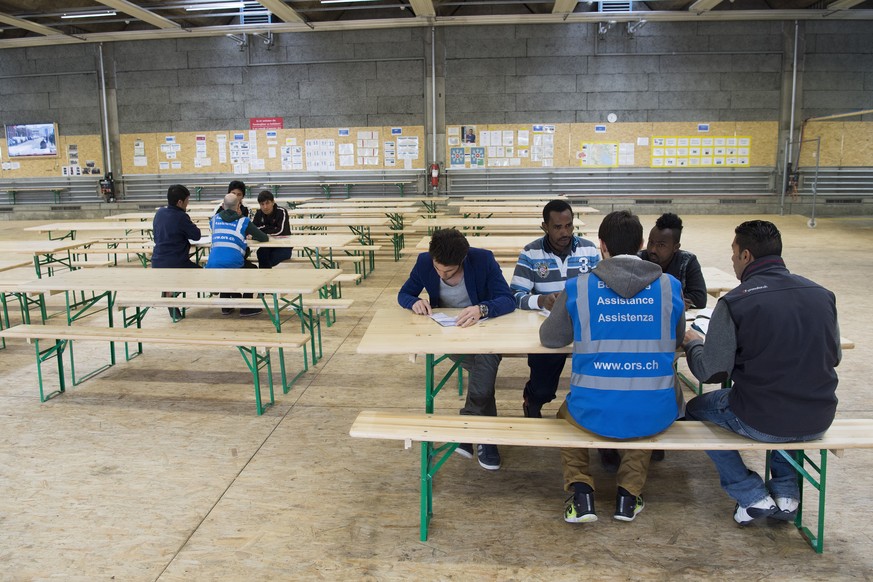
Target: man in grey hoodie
(625, 319)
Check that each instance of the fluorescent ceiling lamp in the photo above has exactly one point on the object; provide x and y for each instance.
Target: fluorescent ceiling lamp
(345, 1)
(215, 6)
(90, 14)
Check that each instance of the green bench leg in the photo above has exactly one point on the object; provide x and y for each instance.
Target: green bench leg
(255, 362)
(56, 351)
(819, 483)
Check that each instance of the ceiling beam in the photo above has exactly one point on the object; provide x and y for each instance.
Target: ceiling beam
(284, 12)
(140, 13)
(564, 6)
(702, 5)
(494, 19)
(423, 8)
(843, 4)
(28, 25)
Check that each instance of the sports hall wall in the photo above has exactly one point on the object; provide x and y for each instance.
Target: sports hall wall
(662, 81)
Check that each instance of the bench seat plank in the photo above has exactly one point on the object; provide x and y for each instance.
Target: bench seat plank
(553, 432)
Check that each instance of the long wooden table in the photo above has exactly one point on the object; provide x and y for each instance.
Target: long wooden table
(48, 253)
(718, 281)
(70, 228)
(280, 288)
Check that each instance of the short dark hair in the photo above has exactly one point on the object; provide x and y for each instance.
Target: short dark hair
(265, 195)
(555, 206)
(621, 232)
(671, 222)
(448, 247)
(177, 193)
(760, 237)
(237, 185)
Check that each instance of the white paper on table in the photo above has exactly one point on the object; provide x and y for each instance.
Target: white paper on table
(444, 320)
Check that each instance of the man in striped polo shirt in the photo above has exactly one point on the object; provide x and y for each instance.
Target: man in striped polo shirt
(542, 269)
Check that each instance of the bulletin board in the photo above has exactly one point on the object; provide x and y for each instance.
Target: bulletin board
(78, 155)
(843, 144)
(274, 150)
(507, 145)
(611, 145)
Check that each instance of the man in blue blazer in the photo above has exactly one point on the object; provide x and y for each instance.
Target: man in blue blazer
(456, 275)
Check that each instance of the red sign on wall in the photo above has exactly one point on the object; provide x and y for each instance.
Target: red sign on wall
(266, 123)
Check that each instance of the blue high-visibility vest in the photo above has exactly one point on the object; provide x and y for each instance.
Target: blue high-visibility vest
(228, 243)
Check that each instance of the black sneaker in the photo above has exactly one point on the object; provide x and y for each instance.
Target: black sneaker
(227, 310)
(627, 506)
(250, 312)
(532, 410)
(658, 455)
(465, 450)
(609, 460)
(489, 458)
(580, 508)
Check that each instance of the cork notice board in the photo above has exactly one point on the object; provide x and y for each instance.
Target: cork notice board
(843, 144)
(613, 145)
(274, 150)
(78, 155)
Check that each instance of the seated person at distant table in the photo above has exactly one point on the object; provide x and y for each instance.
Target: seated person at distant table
(543, 267)
(457, 275)
(663, 249)
(172, 229)
(623, 316)
(229, 234)
(273, 220)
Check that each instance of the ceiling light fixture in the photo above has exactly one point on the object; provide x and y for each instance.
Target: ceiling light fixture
(215, 6)
(90, 14)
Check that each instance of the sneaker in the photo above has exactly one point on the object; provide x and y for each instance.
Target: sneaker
(609, 460)
(580, 508)
(226, 310)
(532, 410)
(489, 458)
(746, 515)
(628, 506)
(787, 508)
(250, 312)
(465, 450)
(658, 455)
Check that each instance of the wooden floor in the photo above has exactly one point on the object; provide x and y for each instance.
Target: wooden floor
(158, 469)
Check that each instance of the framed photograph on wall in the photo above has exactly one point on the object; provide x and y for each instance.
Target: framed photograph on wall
(27, 140)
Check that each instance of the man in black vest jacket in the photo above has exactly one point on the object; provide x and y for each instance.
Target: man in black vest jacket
(776, 337)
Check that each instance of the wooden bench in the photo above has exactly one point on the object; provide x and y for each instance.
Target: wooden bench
(546, 432)
(246, 342)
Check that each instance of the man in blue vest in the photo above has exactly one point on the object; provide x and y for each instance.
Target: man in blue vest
(229, 233)
(776, 336)
(457, 275)
(625, 319)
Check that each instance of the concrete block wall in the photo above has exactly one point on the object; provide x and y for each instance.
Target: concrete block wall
(569, 73)
(354, 78)
(837, 69)
(51, 84)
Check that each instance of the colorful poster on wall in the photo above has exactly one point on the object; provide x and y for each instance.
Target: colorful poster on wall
(456, 158)
(477, 157)
(266, 123)
(598, 155)
(701, 152)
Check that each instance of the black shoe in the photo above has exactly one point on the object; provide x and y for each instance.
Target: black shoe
(658, 455)
(532, 410)
(627, 506)
(465, 450)
(609, 460)
(227, 310)
(489, 457)
(175, 313)
(250, 312)
(580, 508)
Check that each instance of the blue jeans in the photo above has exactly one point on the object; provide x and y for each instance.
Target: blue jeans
(745, 486)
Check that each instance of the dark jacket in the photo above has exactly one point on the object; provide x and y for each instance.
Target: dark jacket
(172, 229)
(776, 335)
(685, 267)
(482, 277)
(275, 223)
